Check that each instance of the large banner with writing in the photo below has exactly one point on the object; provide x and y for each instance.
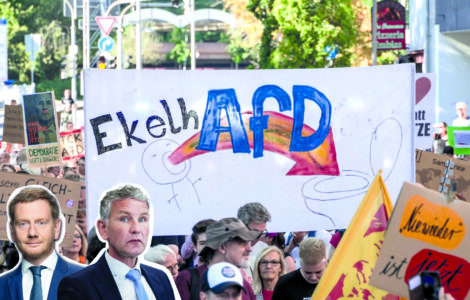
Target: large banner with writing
(426, 232)
(66, 191)
(304, 143)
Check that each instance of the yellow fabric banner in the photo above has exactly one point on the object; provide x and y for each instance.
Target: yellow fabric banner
(350, 268)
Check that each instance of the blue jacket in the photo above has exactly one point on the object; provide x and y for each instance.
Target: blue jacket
(96, 282)
(11, 283)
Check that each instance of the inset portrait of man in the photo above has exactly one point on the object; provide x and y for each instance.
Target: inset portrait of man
(36, 225)
(119, 271)
(40, 118)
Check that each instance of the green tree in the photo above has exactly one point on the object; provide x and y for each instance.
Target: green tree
(32, 16)
(262, 9)
(297, 32)
(181, 52)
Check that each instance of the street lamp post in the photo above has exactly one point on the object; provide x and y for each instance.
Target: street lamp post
(73, 47)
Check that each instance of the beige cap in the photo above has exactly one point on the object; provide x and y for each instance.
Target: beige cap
(461, 104)
(225, 230)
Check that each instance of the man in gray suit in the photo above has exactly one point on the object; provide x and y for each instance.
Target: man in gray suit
(35, 224)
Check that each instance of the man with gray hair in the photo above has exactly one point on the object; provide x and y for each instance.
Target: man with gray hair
(124, 223)
(255, 216)
(301, 284)
(165, 256)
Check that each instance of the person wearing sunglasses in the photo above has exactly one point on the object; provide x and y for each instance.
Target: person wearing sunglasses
(269, 266)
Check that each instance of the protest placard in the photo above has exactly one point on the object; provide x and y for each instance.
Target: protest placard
(425, 232)
(459, 138)
(41, 130)
(431, 168)
(66, 191)
(71, 144)
(13, 126)
(304, 143)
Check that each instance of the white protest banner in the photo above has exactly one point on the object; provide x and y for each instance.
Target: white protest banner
(304, 143)
(424, 110)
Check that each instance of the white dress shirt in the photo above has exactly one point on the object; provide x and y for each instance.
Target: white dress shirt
(46, 275)
(125, 285)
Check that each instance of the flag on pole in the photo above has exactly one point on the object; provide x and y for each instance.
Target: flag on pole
(350, 268)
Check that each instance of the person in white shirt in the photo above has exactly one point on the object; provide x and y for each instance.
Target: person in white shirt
(119, 271)
(462, 120)
(35, 224)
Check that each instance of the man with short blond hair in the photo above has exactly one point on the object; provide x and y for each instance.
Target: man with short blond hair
(301, 283)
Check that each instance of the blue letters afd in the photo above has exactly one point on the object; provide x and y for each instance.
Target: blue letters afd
(227, 100)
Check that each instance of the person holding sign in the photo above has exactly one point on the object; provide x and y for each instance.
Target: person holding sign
(35, 224)
(118, 272)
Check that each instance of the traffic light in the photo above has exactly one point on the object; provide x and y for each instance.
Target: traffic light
(102, 62)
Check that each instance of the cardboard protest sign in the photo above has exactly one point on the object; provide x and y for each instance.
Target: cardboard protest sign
(41, 130)
(71, 144)
(13, 126)
(425, 232)
(66, 191)
(431, 167)
(305, 143)
(459, 138)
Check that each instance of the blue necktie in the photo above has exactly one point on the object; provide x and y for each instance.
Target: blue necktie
(36, 291)
(134, 275)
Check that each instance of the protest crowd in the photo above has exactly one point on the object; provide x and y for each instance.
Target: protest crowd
(231, 258)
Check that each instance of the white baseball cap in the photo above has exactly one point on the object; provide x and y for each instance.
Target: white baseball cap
(220, 276)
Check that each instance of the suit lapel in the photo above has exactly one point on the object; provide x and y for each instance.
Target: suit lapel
(155, 282)
(15, 284)
(61, 269)
(104, 280)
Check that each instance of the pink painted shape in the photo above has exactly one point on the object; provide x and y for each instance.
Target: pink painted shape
(423, 85)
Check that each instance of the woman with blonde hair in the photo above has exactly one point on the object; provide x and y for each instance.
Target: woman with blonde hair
(77, 252)
(269, 266)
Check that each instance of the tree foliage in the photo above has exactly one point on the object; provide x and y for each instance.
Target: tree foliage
(32, 16)
(297, 32)
(181, 52)
(244, 44)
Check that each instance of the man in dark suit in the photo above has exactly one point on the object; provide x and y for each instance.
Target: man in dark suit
(116, 272)
(35, 224)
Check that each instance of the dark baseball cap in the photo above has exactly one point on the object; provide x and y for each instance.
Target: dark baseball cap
(221, 276)
(227, 229)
